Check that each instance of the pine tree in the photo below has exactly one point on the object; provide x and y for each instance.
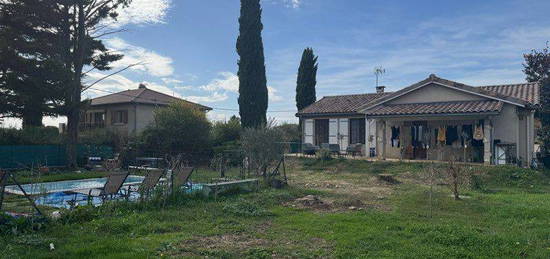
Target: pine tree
(253, 95)
(307, 79)
(31, 74)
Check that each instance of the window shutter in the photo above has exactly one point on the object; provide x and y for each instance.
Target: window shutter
(113, 117)
(308, 128)
(333, 131)
(125, 117)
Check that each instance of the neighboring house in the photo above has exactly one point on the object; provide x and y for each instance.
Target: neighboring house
(434, 119)
(127, 112)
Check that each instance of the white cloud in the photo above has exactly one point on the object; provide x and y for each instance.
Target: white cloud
(228, 82)
(272, 94)
(143, 12)
(171, 81)
(214, 97)
(295, 3)
(153, 63)
(117, 83)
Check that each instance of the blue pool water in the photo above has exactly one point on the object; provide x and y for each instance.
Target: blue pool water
(64, 186)
(61, 194)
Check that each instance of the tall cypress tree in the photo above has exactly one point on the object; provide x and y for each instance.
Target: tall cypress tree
(307, 79)
(252, 80)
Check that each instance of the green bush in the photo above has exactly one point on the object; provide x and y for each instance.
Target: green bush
(226, 131)
(291, 132)
(102, 137)
(179, 129)
(324, 155)
(262, 147)
(30, 136)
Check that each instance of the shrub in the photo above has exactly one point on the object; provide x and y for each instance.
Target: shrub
(324, 154)
(291, 132)
(30, 136)
(262, 147)
(179, 129)
(102, 137)
(226, 131)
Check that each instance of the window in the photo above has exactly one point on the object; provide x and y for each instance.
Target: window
(119, 117)
(99, 117)
(357, 131)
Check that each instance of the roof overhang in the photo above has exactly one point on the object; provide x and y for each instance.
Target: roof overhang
(310, 115)
(398, 94)
(433, 115)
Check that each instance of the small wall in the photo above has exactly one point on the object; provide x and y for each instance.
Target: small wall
(435, 93)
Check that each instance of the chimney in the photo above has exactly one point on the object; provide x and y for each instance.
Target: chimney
(142, 86)
(380, 89)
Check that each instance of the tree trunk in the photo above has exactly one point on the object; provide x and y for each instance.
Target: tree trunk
(73, 116)
(32, 118)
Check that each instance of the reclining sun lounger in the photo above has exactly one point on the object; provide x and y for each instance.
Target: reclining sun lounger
(111, 188)
(152, 178)
(180, 176)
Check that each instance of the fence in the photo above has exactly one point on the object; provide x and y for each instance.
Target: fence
(17, 157)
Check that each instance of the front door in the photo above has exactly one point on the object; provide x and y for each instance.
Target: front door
(321, 132)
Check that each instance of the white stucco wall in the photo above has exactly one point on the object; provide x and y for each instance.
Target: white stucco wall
(435, 93)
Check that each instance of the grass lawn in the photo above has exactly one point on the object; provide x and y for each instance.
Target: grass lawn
(353, 214)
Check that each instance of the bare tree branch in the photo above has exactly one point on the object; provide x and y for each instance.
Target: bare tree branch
(108, 33)
(112, 74)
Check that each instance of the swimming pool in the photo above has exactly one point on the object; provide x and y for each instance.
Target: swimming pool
(65, 186)
(65, 199)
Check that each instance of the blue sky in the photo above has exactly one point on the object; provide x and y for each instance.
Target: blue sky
(189, 46)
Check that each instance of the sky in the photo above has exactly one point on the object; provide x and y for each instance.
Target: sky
(188, 46)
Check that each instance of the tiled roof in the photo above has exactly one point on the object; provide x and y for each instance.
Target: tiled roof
(524, 94)
(529, 92)
(437, 108)
(141, 95)
(342, 104)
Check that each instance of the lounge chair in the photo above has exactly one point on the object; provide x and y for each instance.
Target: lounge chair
(111, 188)
(354, 149)
(180, 176)
(332, 148)
(309, 149)
(152, 178)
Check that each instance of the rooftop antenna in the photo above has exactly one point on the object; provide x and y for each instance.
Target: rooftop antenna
(378, 72)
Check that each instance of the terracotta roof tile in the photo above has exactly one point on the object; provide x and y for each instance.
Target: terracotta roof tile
(142, 96)
(343, 104)
(437, 108)
(529, 92)
(525, 93)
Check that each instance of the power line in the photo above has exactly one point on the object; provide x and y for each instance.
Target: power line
(155, 100)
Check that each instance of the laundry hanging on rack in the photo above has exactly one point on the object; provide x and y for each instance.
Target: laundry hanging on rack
(442, 134)
(395, 132)
(478, 132)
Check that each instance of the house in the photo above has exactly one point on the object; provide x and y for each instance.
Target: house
(127, 112)
(434, 119)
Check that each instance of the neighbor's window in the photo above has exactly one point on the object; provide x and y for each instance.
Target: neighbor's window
(120, 117)
(357, 131)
